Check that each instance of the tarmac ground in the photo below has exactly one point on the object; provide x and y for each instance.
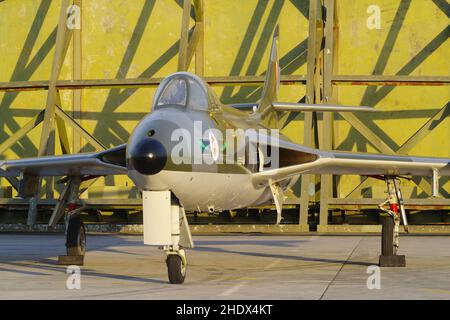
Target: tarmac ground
(228, 267)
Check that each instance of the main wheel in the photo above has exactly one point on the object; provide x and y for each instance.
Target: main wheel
(176, 269)
(387, 237)
(76, 237)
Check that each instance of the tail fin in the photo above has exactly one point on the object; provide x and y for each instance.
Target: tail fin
(271, 112)
(271, 85)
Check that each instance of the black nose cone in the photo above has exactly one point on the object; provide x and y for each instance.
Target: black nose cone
(148, 157)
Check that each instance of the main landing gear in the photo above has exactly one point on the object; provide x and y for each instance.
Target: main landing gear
(391, 225)
(75, 230)
(75, 237)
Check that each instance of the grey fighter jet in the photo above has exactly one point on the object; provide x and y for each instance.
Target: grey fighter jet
(193, 153)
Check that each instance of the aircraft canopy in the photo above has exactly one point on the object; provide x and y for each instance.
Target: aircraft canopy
(183, 90)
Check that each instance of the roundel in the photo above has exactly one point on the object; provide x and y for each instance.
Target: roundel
(214, 146)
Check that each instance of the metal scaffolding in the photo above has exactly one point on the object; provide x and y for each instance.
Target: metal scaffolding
(321, 86)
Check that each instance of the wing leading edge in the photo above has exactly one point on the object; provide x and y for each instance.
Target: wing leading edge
(366, 164)
(108, 162)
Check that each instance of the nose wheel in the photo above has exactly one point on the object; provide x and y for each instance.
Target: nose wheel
(176, 266)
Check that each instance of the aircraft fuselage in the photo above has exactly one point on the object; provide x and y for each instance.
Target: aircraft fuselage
(195, 174)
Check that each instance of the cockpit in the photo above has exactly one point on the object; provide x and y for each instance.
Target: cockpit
(183, 89)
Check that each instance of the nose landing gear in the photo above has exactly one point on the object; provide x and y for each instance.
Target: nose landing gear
(165, 225)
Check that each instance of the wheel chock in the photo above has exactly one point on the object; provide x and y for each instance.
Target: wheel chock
(392, 261)
(71, 260)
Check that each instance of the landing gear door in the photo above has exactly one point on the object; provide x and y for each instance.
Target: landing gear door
(185, 233)
(261, 159)
(157, 218)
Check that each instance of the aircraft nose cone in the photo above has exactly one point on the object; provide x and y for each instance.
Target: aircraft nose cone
(148, 157)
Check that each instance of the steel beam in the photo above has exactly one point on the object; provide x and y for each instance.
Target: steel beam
(395, 80)
(199, 48)
(33, 123)
(183, 61)
(308, 137)
(32, 211)
(140, 83)
(62, 130)
(420, 134)
(430, 203)
(83, 133)
(367, 133)
(328, 117)
(77, 75)
(62, 42)
(375, 201)
(224, 80)
(192, 46)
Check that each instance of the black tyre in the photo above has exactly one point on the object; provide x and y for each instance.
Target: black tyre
(76, 237)
(176, 269)
(387, 237)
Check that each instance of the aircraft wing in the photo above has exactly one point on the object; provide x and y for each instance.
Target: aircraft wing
(337, 163)
(108, 162)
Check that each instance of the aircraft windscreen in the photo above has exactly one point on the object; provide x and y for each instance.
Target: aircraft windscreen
(186, 92)
(197, 96)
(174, 93)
